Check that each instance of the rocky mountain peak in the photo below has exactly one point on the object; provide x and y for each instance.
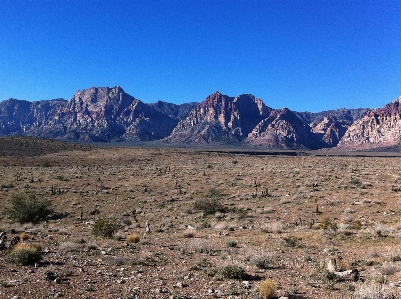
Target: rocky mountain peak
(390, 110)
(110, 114)
(379, 129)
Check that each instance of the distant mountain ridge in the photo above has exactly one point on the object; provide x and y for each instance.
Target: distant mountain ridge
(102, 114)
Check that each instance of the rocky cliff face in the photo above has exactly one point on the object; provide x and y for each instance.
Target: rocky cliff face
(330, 126)
(105, 114)
(284, 130)
(379, 129)
(19, 117)
(220, 118)
(110, 114)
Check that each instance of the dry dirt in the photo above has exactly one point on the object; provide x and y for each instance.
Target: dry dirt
(284, 218)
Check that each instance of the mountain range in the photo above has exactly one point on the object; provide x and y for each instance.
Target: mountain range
(103, 114)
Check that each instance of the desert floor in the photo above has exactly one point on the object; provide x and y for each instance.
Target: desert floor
(278, 217)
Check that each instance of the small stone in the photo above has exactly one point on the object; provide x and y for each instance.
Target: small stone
(57, 280)
(219, 293)
(181, 284)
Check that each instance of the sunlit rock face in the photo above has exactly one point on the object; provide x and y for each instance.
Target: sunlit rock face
(379, 129)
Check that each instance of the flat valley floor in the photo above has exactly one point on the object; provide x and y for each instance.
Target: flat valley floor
(276, 217)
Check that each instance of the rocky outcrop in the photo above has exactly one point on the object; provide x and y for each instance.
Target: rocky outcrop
(283, 130)
(107, 114)
(220, 118)
(379, 129)
(18, 117)
(330, 126)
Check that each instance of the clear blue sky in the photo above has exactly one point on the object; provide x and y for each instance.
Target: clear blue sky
(301, 54)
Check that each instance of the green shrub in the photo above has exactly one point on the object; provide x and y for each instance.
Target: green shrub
(25, 254)
(105, 227)
(267, 289)
(26, 209)
(233, 272)
(209, 206)
(232, 244)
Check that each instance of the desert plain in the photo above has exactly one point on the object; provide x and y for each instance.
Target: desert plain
(199, 223)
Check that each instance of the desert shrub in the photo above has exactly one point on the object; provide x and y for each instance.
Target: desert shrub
(262, 262)
(26, 209)
(395, 257)
(133, 238)
(69, 246)
(202, 246)
(105, 227)
(46, 164)
(389, 269)
(127, 222)
(290, 241)
(276, 227)
(327, 224)
(381, 231)
(233, 272)
(267, 289)
(328, 276)
(25, 254)
(232, 244)
(211, 203)
(356, 225)
(209, 206)
(242, 213)
(372, 291)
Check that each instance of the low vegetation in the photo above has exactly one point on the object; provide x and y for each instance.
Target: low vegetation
(25, 254)
(105, 227)
(27, 208)
(171, 223)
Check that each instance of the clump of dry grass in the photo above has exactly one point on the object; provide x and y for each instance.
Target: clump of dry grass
(373, 291)
(24, 236)
(389, 269)
(276, 227)
(200, 245)
(267, 289)
(69, 246)
(133, 238)
(25, 254)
